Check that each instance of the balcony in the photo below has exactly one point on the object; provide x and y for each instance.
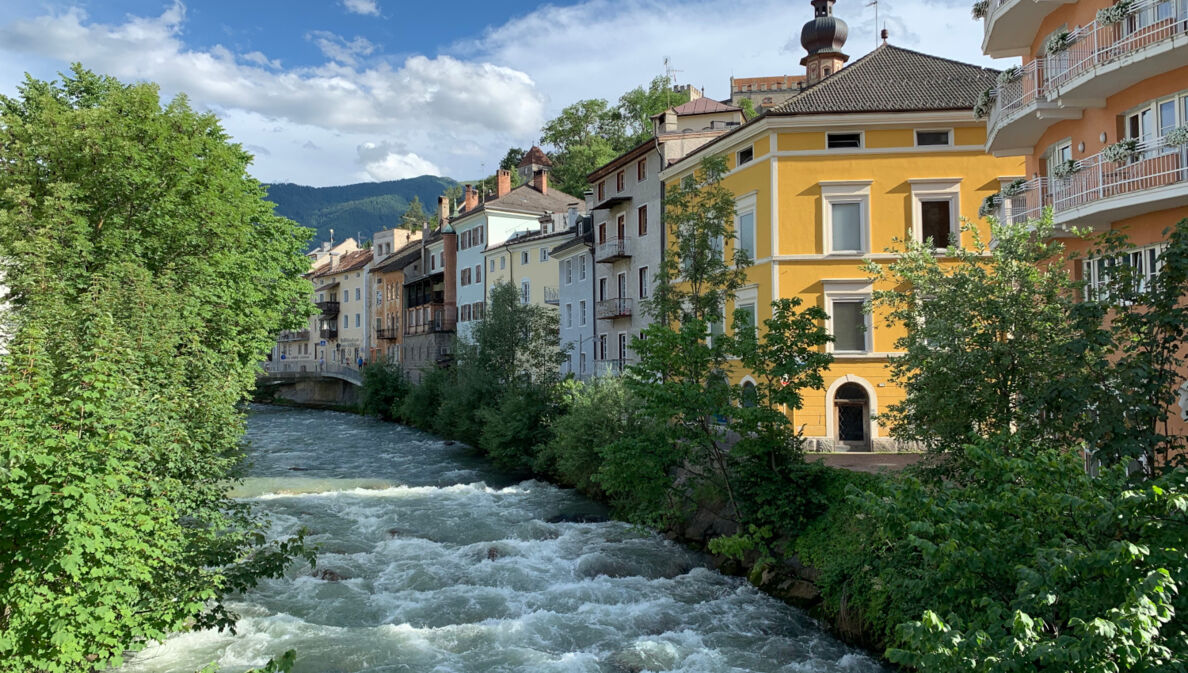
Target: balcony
(610, 309)
(1027, 205)
(552, 296)
(293, 335)
(1104, 59)
(329, 309)
(1010, 25)
(431, 327)
(612, 249)
(328, 333)
(1102, 191)
(612, 367)
(1022, 112)
(388, 333)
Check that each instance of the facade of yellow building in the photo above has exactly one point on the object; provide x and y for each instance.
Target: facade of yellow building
(885, 148)
(1095, 75)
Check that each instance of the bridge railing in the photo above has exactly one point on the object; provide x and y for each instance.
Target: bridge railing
(309, 368)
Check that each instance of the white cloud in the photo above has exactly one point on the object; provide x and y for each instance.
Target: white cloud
(386, 161)
(366, 7)
(337, 48)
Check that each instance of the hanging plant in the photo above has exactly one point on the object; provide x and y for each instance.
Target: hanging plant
(1010, 75)
(1176, 136)
(981, 8)
(1065, 169)
(1121, 151)
(1115, 13)
(982, 107)
(990, 205)
(1058, 42)
(1017, 187)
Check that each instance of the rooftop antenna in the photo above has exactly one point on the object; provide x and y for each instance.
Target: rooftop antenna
(875, 4)
(670, 72)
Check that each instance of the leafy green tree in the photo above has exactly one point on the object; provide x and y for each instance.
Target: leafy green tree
(584, 136)
(511, 160)
(993, 345)
(415, 216)
(147, 277)
(384, 389)
(748, 109)
(638, 105)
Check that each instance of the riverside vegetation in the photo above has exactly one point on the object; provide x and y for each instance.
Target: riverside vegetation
(146, 278)
(1001, 552)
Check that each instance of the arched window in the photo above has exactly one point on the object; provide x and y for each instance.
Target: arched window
(852, 406)
(750, 395)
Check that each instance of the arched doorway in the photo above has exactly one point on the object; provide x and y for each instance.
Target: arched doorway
(852, 417)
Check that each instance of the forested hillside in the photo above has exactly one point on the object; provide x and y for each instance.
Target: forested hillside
(354, 210)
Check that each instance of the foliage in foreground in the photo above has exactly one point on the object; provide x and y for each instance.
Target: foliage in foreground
(146, 278)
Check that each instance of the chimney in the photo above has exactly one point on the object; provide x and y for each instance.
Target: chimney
(502, 182)
(540, 180)
(443, 209)
(471, 199)
(449, 263)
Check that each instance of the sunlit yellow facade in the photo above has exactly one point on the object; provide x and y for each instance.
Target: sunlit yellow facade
(793, 185)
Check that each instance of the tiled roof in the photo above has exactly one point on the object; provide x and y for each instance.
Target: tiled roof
(403, 256)
(894, 79)
(700, 106)
(527, 199)
(535, 156)
(356, 259)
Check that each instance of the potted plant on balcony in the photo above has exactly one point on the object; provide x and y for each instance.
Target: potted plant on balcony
(1177, 136)
(990, 205)
(1122, 151)
(1115, 13)
(1058, 42)
(982, 107)
(981, 8)
(1015, 188)
(1065, 169)
(1009, 75)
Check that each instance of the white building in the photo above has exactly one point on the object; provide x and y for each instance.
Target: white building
(575, 290)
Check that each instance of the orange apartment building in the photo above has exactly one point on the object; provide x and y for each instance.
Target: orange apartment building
(1099, 110)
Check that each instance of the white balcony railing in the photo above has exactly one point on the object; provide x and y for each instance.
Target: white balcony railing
(1155, 165)
(612, 249)
(1095, 43)
(1019, 93)
(1028, 204)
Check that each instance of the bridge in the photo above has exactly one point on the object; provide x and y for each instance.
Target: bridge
(311, 383)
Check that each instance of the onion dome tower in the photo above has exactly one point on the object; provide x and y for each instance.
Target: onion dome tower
(823, 39)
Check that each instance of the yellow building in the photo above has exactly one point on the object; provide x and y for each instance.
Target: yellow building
(885, 148)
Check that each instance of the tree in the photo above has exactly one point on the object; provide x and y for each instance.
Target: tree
(638, 105)
(585, 135)
(748, 109)
(415, 216)
(147, 277)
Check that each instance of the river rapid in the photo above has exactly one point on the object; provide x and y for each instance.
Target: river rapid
(432, 561)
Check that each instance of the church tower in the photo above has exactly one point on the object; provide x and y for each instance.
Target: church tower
(823, 38)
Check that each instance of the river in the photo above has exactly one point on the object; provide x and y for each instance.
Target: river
(433, 561)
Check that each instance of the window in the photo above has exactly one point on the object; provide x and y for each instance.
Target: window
(464, 313)
(745, 156)
(582, 360)
(746, 233)
(622, 346)
(641, 216)
(464, 240)
(936, 222)
(544, 254)
(525, 291)
(478, 273)
(582, 313)
(619, 181)
(924, 138)
(582, 269)
(492, 265)
(836, 141)
(749, 320)
(849, 325)
(641, 170)
(935, 210)
(358, 320)
(601, 289)
(602, 190)
(1144, 265)
(346, 297)
(432, 262)
(568, 271)
(846, 226)
(569, 315)
(621, 227)
(643, 282)
(502, 262)
(464, 278)
(524, 257)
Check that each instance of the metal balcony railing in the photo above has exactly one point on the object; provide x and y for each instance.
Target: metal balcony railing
(328, 308)
(552, 296)
(328, 333)
(609, 309)
(1028, 204)
(1155, 165)
(1023, 91)
(388, 333)
(436, 325)
(612, 249)
(293, 335)
(1095, 43)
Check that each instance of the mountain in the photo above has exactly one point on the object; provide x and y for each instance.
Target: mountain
(355, 210)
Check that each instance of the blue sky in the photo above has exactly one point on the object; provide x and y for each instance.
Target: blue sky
(342, 91)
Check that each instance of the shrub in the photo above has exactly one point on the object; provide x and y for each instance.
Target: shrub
(514, 428)
(384, 389)
(419, 408)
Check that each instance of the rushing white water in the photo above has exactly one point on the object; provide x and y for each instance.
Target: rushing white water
(432, 561)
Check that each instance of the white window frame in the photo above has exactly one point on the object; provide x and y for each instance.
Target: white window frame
(849, 290)
(941, 189)
(582, 311)
(544, 254)
(524, 257)
(845, 191)
(569, 272)
(743, 206)
(916, 136)
(738, 160)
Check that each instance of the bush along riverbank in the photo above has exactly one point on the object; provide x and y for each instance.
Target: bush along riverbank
(1046, 530)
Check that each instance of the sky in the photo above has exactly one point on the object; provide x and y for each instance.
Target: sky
(341, 91)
